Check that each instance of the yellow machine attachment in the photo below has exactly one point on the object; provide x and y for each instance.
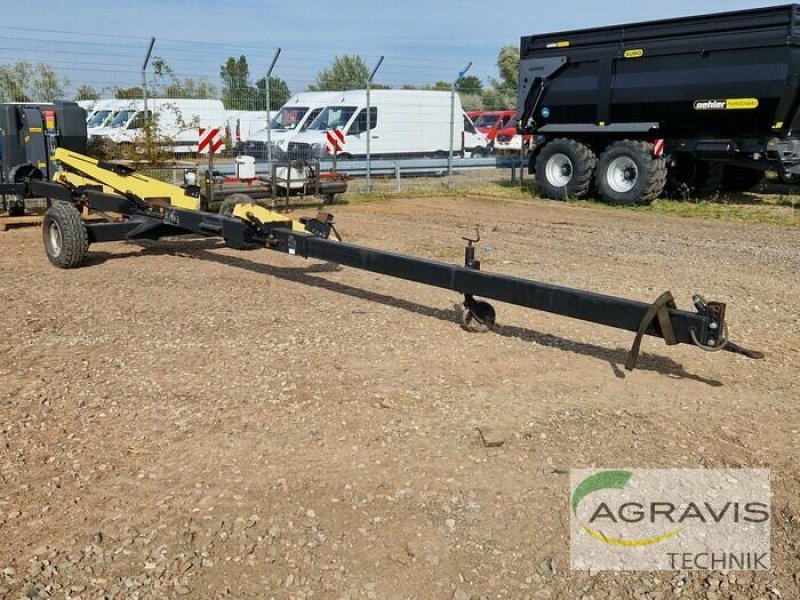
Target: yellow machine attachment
(249, 211)
(79, 170)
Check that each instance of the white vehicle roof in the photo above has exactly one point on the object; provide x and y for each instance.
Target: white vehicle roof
(422, 97)
(315, 98)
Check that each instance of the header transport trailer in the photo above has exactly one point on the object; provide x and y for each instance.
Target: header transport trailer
(692, 104)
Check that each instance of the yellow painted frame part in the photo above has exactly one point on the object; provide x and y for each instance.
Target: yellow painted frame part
(264, 215)
(83, 170)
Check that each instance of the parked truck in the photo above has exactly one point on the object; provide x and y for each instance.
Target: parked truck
(692, 104)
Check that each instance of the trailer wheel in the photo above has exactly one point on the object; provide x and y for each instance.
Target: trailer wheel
(628, 173)
(480, 317)
(15, 206)
(564, 169)
(64, 235)
(740, 179)
(689, 177)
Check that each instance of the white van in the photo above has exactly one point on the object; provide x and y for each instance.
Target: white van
(178, 119)
(243, 124)
(101, 115)
(87, 105)
(403, 123)
(293, 118)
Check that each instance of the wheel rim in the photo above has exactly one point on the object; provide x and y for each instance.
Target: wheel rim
(622, 174)
(559, 170)
(54, 238)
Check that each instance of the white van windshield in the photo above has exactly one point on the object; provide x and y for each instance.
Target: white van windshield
(288, 117)
(98, 118)
(121, 118)
(333, 117)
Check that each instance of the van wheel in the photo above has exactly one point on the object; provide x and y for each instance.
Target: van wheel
(564, 169)
(628, 173)
(740, 179)
(64, 235)
(689, 177)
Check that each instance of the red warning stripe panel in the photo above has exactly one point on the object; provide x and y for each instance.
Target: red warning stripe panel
(210, 140)
(335, 140)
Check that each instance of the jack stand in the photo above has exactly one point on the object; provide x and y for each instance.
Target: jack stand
(477, 316)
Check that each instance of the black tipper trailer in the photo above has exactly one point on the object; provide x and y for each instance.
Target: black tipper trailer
(694, 103)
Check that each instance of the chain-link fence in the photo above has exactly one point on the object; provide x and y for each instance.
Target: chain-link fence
(405, 123)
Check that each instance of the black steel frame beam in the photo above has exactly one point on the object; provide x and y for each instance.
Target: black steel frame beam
(578, 304)
(149, 223)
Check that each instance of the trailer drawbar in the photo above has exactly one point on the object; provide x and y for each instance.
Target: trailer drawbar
(67, 238)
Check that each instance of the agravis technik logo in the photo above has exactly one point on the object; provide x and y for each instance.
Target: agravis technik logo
(643, 519)
(607, 480)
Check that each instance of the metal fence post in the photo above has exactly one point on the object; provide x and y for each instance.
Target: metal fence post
(369, 134)
(144, 73)
(267, 92)
(453, 116)
(398, 180)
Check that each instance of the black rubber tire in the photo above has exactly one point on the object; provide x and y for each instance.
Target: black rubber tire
(690, 177)
(481, 318)
(740, 179)
(328, 199)
(650, 173)
(64, 235)
(581, 165)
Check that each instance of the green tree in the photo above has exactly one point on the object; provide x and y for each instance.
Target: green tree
(472, 102)
(128, 93)
(86, 92)
(508, 65)
(470, 85)
(347, 72)
(15, 82)
(237, 93)
(23, 82)
(279, 93)
(166, 83)
(47, 85)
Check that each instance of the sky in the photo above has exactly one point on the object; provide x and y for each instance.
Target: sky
(423, 41)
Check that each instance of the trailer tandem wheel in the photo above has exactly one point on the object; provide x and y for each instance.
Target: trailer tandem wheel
(64, 234)
(628, 173)
(564, 169)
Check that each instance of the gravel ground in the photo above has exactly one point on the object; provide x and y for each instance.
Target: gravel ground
(179, 419)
